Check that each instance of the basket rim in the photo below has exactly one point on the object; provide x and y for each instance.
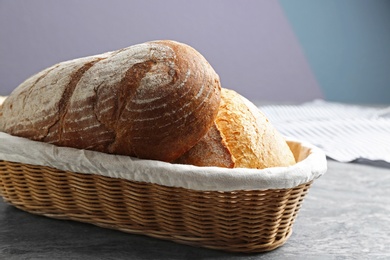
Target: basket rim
(311, 165)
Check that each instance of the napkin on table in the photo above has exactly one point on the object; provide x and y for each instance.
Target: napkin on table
(346, 133)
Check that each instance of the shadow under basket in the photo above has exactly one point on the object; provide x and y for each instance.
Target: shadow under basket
(237, 221)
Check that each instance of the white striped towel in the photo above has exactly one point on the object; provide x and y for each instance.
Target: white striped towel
(345, 132)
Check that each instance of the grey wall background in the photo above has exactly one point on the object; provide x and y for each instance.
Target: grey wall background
(266, 49)
(249, 43)
(347, 44)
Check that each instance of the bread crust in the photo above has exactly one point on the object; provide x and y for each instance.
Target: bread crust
(211, 150)
(246, 139)
(153, 100)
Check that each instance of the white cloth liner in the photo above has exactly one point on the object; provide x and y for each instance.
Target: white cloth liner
(312, 164)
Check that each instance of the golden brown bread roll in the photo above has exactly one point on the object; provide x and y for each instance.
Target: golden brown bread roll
(242, 137)
(153, 100)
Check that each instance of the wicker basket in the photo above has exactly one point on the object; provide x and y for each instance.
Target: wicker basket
(237, 221)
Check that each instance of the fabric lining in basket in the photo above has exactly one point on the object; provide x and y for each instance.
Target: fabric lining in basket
(311, 165)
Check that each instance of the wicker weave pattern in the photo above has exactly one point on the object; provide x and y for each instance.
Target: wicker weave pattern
(239, 221)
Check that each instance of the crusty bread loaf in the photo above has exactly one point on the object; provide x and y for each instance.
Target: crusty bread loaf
(242, 137)
(153, 100)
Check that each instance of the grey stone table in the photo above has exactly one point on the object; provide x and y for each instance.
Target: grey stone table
(346, 215)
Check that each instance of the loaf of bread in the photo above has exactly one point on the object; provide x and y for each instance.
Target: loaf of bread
(241, 137)
(154, 100)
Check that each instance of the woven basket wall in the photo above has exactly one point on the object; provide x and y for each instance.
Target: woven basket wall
(238, 221)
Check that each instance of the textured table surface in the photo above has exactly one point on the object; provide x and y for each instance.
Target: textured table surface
(346, 215)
